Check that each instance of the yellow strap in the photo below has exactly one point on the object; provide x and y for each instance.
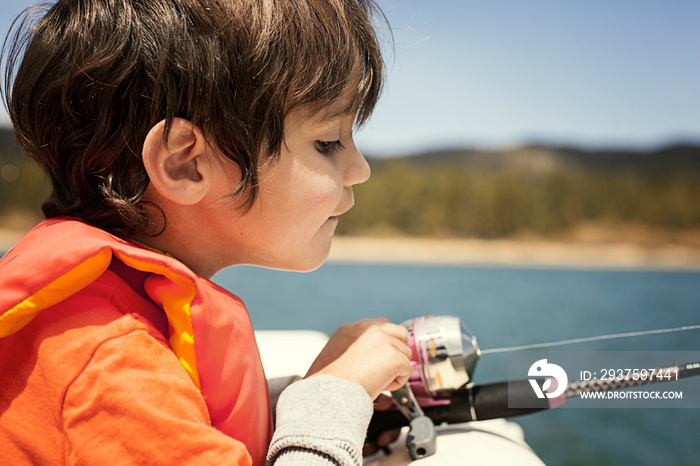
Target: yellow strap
(56, 291)
(176, 294)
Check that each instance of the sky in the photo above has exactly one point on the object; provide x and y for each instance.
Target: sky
(500, 73)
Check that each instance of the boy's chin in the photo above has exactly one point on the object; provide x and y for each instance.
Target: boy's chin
(307, 265)
(307, 261)
(298, 257)
(292, 268)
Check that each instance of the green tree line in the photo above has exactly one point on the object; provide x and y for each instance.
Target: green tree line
(462, 201)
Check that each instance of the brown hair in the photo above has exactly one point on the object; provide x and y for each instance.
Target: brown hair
(85, 83)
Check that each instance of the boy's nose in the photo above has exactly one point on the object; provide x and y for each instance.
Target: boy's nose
(357, 169)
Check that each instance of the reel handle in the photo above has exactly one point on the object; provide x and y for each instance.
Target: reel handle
(421, 440)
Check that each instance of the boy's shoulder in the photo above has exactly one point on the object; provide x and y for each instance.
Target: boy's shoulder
(59, 342)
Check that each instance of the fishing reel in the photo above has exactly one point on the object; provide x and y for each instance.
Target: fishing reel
(444, 357)
(445, 353)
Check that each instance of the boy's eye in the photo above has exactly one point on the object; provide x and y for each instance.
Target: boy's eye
(329, 147)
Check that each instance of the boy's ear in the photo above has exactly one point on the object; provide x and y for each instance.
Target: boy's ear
(179, 168)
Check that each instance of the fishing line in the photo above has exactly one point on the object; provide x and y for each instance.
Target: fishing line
(587, 339)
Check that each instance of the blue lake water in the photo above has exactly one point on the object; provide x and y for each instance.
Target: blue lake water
(508, 307)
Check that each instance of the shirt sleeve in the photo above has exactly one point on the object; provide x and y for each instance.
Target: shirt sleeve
(321, 421)
(133, 404)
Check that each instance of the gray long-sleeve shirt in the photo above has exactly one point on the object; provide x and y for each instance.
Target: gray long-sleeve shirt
(321, 421)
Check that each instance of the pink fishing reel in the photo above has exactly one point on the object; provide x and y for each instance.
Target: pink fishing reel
(445, 353)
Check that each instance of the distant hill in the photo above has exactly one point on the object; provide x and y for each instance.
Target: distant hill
(531, 158)
(545, 159)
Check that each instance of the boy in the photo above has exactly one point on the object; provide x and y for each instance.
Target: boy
(181, 137)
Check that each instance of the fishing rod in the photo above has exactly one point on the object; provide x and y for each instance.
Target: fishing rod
(440, 389)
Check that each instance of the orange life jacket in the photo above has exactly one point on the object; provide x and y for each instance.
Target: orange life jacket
(209, 328)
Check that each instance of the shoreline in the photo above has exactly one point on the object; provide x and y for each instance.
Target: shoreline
(525, 253)
(529, 253)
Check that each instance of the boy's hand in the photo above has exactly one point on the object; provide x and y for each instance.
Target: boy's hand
(371, 353)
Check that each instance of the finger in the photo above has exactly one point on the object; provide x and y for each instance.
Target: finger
(373, 321)
(383, 403)
(396, 331)
(388, 436)
(369, 448)
(402, 348)
(396, 384)
(400, 380)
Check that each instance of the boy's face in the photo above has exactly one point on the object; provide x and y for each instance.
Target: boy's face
(292, 221)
